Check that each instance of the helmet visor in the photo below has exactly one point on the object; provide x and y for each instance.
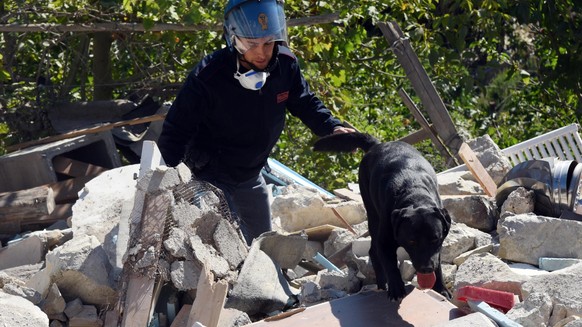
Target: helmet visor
(244, 44)
(263, 20)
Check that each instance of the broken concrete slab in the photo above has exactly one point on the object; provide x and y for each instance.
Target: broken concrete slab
(527, 237)
(261, 287)
(102, 203)
(26, 251)
(458, 183)
(475, 211)
(81, 269)
(17, 311)
(302, 208)
(372, 309)
(563, 286)
(87, 317)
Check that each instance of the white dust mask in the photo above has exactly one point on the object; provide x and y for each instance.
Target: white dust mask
(251, 80)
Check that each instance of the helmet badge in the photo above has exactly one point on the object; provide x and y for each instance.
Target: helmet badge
(264, 21)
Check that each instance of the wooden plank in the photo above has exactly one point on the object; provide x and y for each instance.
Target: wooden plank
(343, 221)
(67, 190)
(433, 135)
(477, 169)
(140, 292)
(26, 204)
(415, 137)
(181, 319)
(75, 168)
(61, 212)
(209, 301)
(422, 85)
(138, 301)
(92, 130)
(318, 233)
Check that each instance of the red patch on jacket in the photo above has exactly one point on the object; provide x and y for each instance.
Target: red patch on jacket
(283, 96)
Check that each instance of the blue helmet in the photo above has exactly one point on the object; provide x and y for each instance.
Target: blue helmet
(253, 19)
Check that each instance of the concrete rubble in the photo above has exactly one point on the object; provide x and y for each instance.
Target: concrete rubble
(70, 275)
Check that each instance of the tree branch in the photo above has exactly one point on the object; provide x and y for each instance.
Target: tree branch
(138, 27)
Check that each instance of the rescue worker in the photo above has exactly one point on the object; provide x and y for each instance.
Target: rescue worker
(230, 111)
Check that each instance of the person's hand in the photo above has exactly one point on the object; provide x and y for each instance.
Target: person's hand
(342, 130)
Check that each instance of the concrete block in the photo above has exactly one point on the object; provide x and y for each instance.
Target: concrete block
(26, 251)
(551, 264)
(33, 166)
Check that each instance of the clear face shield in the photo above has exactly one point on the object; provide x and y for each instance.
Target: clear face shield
(243, 45)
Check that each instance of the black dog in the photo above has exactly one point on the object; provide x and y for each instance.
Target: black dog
(400, 193)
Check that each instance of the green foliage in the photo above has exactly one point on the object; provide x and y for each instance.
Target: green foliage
(510, 69)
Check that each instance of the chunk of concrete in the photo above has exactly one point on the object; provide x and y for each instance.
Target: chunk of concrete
(487, 271)
(17, 311)
(261, 286)
(303, 208)
(53, 303)
(527, 237)
(81, 269)
(563, 286)
(475, 211)
(87, 317)
(552, 264)
(475, 319)
(25, 251)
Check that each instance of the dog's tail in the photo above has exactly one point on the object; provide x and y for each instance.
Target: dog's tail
(345, 142)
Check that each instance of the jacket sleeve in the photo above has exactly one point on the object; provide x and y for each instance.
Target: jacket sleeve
(182, 122)
(308, 107)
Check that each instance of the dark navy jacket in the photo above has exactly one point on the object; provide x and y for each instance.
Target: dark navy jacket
(217, 125)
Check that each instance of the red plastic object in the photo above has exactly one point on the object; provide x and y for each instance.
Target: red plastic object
(425, 281)
(500, 300)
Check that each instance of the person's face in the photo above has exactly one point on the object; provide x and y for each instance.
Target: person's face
(256, 51)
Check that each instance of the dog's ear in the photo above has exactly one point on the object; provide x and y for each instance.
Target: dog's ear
(396, 219)
(445, 218)
(398, 216)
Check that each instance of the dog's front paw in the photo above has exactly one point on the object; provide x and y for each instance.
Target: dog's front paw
(440, 288)
(396, 291)
(446, 294)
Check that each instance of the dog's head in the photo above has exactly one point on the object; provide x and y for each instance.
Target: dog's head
(421, 232)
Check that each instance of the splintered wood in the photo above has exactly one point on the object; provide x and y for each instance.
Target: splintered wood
(139, 297)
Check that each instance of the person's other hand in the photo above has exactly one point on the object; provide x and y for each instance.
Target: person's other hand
(342, 130)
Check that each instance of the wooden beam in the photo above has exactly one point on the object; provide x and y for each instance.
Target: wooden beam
(477, 169)
(422, 85)
(26, 204)
(75, 168)
(140, 27)
(415, 137)
(181, 319)
(85, 131)
(432, 134)
(67, 190)
(209, 301)
(141, 285)
(343, 221)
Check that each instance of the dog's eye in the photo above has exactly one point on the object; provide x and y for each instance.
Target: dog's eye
(412, 243)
